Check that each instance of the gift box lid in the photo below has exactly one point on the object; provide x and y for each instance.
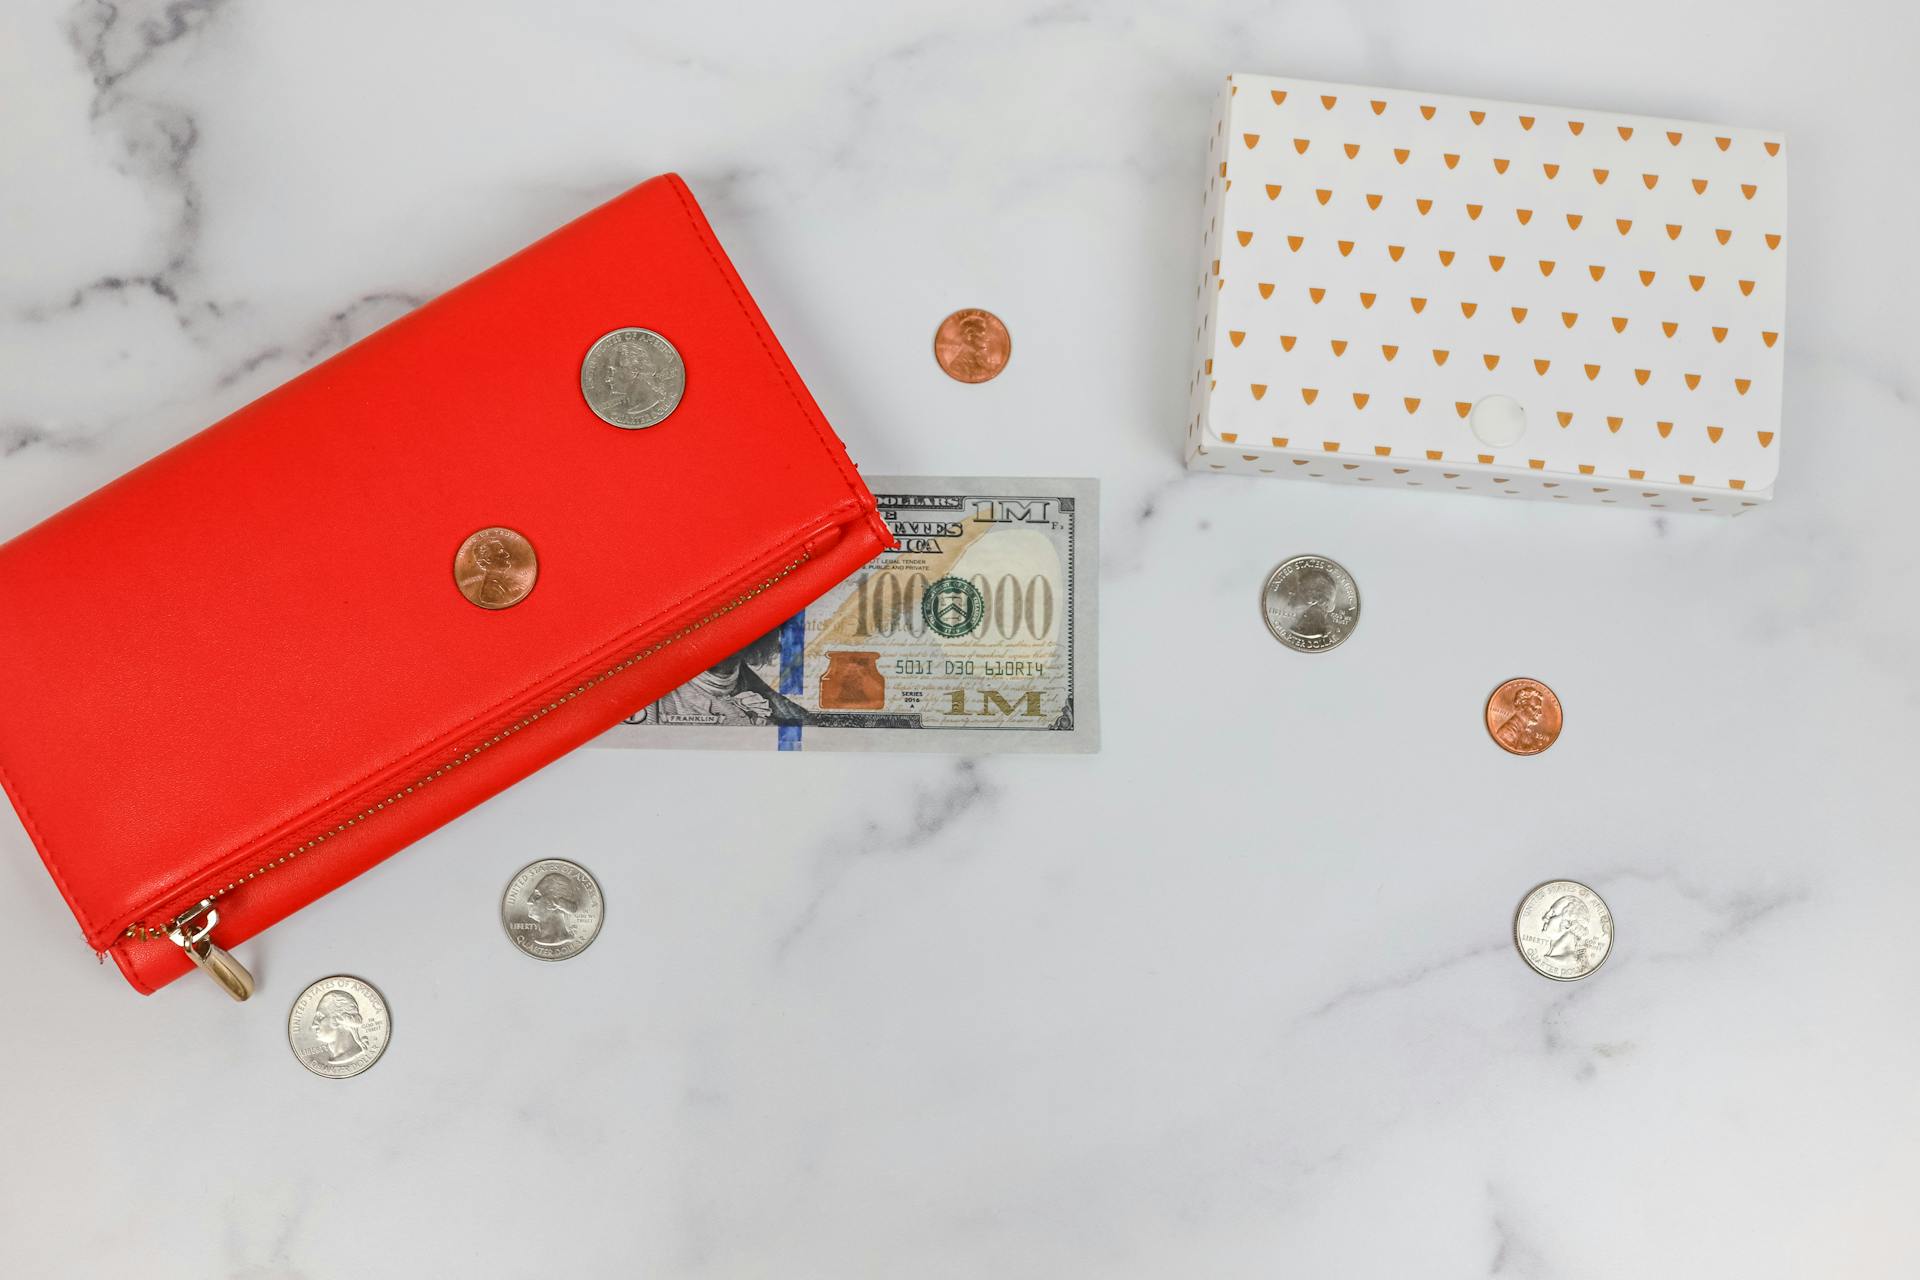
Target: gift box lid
(1493, 287)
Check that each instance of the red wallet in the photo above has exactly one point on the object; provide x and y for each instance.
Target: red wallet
(246, 671)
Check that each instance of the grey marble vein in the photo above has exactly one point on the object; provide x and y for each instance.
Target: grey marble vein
(932, 809)
(1514, 1251)
(18, 437)
(341, 328)
(116, 40)
(1403, 980)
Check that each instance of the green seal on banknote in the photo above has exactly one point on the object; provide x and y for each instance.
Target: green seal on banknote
(953, 607)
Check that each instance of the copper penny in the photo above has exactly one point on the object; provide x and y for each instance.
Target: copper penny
(972, 345)
(1523, 717)
(495, 568)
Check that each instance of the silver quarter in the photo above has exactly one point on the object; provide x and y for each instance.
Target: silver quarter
(633, 378)
(1310, 604)
(552, 909)
(1564, 930)
(339, 1027)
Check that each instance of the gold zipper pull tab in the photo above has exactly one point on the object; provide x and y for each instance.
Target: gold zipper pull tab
(192, 932)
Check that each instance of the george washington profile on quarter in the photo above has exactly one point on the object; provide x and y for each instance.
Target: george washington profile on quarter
(552, 909)
(1563, 930)
(1310, 604)
(633, 378)
(338, 1027)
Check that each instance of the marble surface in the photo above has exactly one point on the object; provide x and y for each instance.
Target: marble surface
(1235, 997)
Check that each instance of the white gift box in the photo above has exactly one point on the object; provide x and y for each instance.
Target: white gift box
(1410, 289)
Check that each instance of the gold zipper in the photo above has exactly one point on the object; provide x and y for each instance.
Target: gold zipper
(193, 932)
(191, 929)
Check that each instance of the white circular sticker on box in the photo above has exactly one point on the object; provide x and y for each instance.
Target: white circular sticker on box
(1498, 420)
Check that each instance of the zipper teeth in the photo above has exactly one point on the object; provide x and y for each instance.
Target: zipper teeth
(147, 932)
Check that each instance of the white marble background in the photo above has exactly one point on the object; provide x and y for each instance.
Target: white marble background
(1234, 998)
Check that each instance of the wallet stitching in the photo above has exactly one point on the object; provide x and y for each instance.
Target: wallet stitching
(235, 854)
(834, 448)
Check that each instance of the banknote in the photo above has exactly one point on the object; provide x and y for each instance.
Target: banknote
(974, 634)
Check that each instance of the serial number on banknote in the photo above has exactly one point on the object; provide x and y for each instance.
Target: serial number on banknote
(974, 633)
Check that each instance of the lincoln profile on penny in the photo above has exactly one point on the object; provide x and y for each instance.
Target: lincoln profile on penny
(495, 568)
(494, 560)
(976, 354)
(551, 906)
(337, 1024)
(1523, 730)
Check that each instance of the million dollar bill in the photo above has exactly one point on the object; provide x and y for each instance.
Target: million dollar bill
(975, 633)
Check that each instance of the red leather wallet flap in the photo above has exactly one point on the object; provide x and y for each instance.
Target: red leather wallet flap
(259, 631)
